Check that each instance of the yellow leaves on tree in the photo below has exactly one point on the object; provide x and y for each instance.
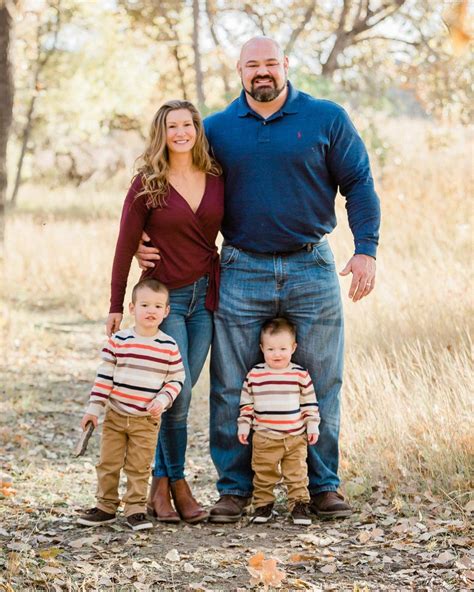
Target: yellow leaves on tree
(264, 571)
(457, 20)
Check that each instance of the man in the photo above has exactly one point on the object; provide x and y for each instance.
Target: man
(284, 156)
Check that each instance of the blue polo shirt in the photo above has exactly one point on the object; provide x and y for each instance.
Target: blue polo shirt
(282, 174)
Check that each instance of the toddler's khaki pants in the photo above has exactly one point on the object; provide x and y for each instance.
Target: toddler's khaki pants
(128, 443)
(273, 460)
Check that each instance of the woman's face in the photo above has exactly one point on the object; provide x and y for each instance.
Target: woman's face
(180, 131)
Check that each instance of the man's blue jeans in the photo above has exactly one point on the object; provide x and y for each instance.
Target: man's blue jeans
(190, 324)
(304, 288)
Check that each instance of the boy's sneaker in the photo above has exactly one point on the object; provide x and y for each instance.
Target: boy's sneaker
(300, 514)
(139, 522)
(95, 517)
(263, 514)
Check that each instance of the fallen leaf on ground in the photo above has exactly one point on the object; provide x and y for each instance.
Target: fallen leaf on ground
(264, 571)
(328, 569)
(172, 555)
(50, 553)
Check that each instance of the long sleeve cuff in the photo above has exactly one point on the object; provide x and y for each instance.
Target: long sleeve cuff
(312, 427)
(243, 428)
(166, 399)
(365, 247)
(95, 409)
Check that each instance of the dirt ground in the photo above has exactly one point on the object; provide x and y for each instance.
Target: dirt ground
(404, 540)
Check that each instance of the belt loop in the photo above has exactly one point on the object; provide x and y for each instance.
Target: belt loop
(309, 247)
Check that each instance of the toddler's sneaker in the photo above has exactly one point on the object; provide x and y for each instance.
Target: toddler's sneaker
(263, 514)
(139, 522)
(95, 517)
(300, 514)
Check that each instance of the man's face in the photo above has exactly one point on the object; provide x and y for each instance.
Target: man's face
(263, 70)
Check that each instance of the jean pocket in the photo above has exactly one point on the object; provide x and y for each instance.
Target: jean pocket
(229, 254)
(323, 255)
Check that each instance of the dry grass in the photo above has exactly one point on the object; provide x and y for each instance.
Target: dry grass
(407, 403)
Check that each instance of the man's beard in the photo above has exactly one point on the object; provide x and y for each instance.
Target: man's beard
(264, 94)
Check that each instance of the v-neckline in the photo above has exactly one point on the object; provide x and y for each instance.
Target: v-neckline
(194, 212)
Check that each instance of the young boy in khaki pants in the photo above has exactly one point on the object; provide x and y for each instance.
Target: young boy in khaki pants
(278, 401)
(140, 377)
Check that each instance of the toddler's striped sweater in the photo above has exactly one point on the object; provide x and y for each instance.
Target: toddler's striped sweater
(278, 402)
(134, 371)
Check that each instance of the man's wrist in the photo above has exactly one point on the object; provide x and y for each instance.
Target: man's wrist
(366, 247)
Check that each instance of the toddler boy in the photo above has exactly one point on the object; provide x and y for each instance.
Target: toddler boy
(140, 377)
(278, 401)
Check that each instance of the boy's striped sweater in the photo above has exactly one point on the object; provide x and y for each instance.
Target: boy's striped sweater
(278, 402)
(134, 371)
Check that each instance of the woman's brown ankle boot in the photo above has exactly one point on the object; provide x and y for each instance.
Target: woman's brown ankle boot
(188, 508)
(159, 501)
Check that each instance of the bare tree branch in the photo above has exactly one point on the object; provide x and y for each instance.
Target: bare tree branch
(53, 25)
(300, 28)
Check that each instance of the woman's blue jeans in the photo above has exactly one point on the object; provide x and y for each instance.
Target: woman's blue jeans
(190, 324)
(302, 286)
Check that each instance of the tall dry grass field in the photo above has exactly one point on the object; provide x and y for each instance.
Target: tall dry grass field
(407, 396)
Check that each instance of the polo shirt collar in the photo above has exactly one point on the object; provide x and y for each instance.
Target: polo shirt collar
(289, 106)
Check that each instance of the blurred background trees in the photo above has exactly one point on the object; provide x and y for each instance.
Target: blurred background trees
(89, 75)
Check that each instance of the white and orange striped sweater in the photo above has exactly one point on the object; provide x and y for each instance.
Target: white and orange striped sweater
(134, 371)
(278, 402)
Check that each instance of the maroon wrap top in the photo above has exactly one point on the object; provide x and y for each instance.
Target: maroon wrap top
(186, 240)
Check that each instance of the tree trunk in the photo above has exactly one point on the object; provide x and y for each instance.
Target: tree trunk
(24, 145)
(210, 10)
(197, 58)
(6, 108)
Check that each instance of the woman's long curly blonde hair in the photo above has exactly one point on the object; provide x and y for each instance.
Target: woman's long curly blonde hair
(155, 168)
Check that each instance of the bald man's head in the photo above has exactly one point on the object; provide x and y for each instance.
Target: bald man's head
(263, 69)
(259, 43)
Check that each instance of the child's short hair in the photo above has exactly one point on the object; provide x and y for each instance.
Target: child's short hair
(278, 325)
(153, 284)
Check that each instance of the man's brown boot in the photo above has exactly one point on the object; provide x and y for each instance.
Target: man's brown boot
(329, 504)
(188, 508)
(159, 501)
(229, 508)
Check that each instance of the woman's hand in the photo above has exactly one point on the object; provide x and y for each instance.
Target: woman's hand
(146, 255)
(112, 325)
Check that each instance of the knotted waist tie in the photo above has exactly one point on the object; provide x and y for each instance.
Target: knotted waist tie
(212, 296)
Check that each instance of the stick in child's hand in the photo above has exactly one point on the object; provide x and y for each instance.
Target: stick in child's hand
(84, 440)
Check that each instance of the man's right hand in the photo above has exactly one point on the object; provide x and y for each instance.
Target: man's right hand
(146, 255)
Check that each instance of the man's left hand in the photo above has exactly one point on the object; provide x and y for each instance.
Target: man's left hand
(362, 268)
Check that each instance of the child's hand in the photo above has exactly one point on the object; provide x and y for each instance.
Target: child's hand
(243, 439)
(312, 439)
(87, 418)
(112, 325)
(155, 408)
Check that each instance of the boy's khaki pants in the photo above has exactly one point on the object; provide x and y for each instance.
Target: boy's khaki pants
(268, 455)
(128, 442)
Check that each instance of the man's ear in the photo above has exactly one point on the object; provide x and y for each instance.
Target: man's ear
(238, 67)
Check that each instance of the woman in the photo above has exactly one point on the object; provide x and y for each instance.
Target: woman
(177, 198)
